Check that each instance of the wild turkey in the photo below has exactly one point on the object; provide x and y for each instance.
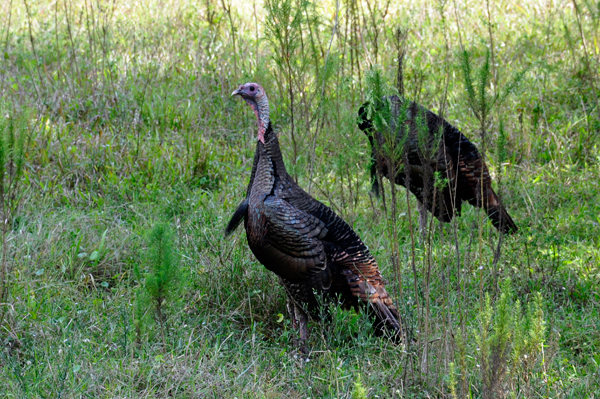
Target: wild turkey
(451, 156)
(312, 250)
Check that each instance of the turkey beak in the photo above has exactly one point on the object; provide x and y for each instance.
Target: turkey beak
(235, 92)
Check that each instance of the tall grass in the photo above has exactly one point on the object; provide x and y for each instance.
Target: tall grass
(126, 114)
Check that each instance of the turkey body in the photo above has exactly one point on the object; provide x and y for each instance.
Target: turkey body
(444, 151)
(312, 250)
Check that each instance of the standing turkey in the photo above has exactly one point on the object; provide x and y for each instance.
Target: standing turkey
(442, 150)
(312, 250)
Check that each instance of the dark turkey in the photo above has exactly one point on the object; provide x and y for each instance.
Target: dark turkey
(443, 150)
(312, 250)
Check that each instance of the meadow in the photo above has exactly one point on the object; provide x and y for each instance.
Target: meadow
(123, 156)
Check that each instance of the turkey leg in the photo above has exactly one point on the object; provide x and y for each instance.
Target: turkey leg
(299, 321)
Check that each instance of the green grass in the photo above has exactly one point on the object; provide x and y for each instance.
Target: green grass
(128, 121)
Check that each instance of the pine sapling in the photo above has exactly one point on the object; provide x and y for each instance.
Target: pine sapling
(452, 380)
(12, 151)
(162, 278)
(493, 337)
(389, 146)
(359, 391)
(528, 344)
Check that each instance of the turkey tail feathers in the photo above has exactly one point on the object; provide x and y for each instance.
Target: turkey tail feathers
(238, 216)
(387, 320)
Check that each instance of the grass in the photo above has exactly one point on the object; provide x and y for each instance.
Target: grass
(128, 122)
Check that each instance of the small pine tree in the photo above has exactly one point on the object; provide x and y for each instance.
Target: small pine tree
(140, 309)
(452, 380)
(496, 344)
(508, 339)
(13, 125)
(162, 278)
(359, 391)
(530, 332)
(501, 144)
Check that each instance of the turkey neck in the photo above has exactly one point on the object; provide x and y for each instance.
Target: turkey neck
(268, 169)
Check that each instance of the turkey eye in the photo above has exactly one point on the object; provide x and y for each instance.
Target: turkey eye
(251, 88)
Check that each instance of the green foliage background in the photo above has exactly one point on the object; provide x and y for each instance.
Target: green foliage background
(125, 116)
